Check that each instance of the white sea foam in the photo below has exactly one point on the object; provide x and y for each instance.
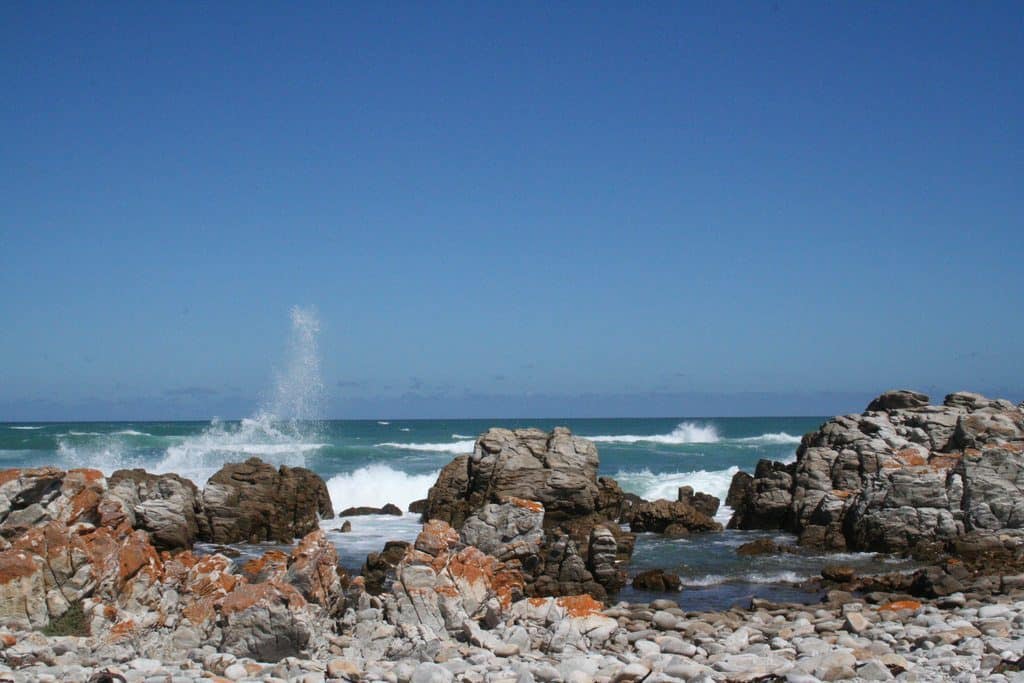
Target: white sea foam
(199, 456)
(457, 447)
(650, 486)
(23, 427)
(463, 436)
(383, 422)
(772, 438)
(685, 432)
(376, 485)
(749, 577)
(403, 429)
(130, 432)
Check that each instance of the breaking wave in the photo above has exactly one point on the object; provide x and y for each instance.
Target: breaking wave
(685, 432)
(376, 485)
(457, 447)
(772, 438)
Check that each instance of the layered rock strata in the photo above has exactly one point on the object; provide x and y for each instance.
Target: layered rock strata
(902, 476)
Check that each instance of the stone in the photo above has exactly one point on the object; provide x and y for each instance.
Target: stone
(555, 468)
(657, 580)
(903, 477)
(898, 399)
(166, 505)
(856, 622)
(702, 502)
(428, 672)
(254, 502)
(659, 515)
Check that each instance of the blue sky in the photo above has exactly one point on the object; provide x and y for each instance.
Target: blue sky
(533, 209)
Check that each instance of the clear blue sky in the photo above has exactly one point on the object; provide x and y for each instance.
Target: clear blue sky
(550, 208)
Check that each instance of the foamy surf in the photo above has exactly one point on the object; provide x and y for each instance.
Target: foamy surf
(651, 486)
(23, 427)
(376, 485)
(457, 447)
(685, 432)
(772, 438)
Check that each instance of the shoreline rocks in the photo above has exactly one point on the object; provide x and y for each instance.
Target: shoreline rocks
(904, 476)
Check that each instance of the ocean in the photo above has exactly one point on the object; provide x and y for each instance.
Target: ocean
(373, 462)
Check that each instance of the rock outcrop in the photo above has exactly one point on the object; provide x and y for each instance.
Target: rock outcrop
(166, 505)
(253, 502)
(574, 540)
(555, 468)
(673, 518)
(902, 476)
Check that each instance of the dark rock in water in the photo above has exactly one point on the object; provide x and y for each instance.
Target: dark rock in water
(904, 476)
(657, 580)
(898, 399)
(359, 511)
(346, 527)
(762, 502)
(659, 515)
(254, 502)
(838, 573)
(740, 490)
(169, 507)
(418, 506)
(388, 509)
(379, 567)
(704, 502)
(762, 546)
(629, 503)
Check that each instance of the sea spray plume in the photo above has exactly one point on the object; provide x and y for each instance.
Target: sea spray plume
(299, 390)
(282, 431)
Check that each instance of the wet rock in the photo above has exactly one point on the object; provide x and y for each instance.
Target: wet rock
(418, 506)
(702, 502)
(659, 515)
(838, 573)
(657, 580)
(254, 502)
(388, 509)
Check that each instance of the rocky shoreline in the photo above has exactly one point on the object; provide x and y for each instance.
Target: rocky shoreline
(523, 548)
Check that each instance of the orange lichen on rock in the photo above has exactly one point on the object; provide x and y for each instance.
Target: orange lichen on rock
(579, 605)
(246, 595)
(273, 564)
(531, 505)
(944, 461)
(9, 475)
(842, 494)
(899, 605)
(911, 457)
(122, 629)
(16, 564)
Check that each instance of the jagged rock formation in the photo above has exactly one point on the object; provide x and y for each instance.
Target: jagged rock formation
(902, 476)
(166, 505)
(253, 502)
(555, 468)
(575, 528)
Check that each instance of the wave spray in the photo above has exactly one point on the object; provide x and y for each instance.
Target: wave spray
(282, 431)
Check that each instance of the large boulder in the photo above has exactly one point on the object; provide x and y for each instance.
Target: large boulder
(674, 517)
(252, 502)
(556, 472)
(903, 476)
(166, 505)
(555, 468)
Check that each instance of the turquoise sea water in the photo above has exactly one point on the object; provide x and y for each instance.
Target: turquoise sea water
(371, 462)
